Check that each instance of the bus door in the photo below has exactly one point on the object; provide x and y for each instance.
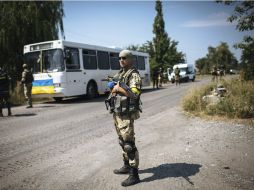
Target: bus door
(143, 67)
(74, 74)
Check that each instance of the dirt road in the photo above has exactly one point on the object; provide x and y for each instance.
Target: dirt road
(73, 145)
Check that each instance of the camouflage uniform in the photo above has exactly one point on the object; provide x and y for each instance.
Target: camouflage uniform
(126, 109)
(124, 122)
(27, 79)
(215, 74)
(177, 76)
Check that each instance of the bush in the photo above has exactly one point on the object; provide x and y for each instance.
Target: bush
(192, 102)
(238, 102)
(17, 95)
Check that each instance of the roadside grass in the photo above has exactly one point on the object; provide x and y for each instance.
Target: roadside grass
(238, 102)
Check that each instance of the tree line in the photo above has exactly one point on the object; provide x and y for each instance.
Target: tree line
(163, 50)
(221, 57)
(34, 21)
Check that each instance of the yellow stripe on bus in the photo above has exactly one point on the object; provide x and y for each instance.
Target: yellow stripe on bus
(43, 90)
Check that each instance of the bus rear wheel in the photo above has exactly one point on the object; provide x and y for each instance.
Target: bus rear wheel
(91, 91)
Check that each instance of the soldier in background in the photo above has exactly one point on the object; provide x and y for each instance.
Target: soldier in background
(177, 76)
(155, 78)
(160, 77)
(214, 74)
(4, 92)
(27, 79)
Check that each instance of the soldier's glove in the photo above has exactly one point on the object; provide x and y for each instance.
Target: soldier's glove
(111, 84)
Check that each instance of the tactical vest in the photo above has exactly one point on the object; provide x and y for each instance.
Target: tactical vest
(123, 104)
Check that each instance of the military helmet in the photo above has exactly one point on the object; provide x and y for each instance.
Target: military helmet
(126, 53)
(25, 66)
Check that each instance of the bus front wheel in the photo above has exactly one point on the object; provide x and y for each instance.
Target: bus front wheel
(91, 91)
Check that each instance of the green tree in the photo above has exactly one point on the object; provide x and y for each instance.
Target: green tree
(243, 15)
(219, 56)
(23, 23)
(247, 58)
(201, 65)
(160, 41)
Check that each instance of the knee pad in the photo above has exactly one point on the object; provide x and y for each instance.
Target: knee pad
(130, 149)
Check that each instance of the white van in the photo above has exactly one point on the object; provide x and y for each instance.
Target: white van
(187, 72)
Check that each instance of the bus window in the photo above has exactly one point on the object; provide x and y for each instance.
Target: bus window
(135, 61)
(103, 60)
(52, 60)
(114, 61)
(72, 58)
(89, 59)
(141, 63)
(33, 59)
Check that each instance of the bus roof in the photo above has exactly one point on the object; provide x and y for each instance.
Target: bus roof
(61, 43)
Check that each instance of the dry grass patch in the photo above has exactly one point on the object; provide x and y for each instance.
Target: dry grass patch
(238, 102)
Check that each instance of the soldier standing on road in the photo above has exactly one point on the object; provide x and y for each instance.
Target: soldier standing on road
(215, 74)
(27, 79)
(177, 76)
(4, 92)
(126, 110)
(160, 77)
(155, 78)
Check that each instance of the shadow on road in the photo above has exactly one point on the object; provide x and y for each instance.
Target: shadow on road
(45, 106)
(171, 170)
(24, 114)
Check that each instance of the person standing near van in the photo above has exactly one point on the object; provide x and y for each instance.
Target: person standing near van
(160, 77)
(155, 78)
(27, 79)
(215, 74)
(177, 76)
(125, 110)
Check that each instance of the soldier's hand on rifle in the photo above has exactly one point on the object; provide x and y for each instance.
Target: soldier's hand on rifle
(111, 85)
(116, 88)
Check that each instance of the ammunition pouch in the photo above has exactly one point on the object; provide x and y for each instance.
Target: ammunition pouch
(127, 105)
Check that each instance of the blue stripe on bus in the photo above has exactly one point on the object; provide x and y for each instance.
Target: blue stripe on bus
(46, 82)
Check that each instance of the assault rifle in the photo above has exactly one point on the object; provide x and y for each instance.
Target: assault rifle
(110, 101)
(134, 100)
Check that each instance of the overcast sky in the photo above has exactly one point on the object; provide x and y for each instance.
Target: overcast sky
(196, 25)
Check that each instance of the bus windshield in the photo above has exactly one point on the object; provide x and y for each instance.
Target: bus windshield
(46, 60)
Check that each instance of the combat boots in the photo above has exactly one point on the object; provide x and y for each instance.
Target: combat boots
(123, 170)
(132, 179)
